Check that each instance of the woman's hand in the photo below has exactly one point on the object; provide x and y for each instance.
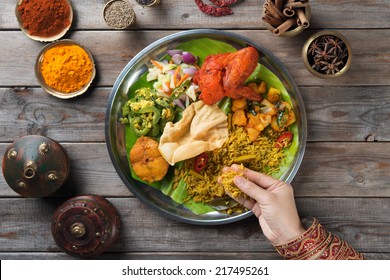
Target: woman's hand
(273, 204)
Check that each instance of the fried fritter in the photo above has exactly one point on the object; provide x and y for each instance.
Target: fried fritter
(147, 161)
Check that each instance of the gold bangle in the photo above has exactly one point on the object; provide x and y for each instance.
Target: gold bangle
(299, 238)
(333, 249)
(309, 243)
(317, 242)
(319, 248)
(350, 254)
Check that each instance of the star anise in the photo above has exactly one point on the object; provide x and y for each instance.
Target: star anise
(314, 47)
(324, 53)
(337, 46)
(327, 54)
(332, 67)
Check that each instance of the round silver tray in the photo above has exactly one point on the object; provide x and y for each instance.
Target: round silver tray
(115, 135)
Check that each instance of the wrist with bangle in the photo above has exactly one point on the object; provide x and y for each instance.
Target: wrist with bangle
(317, 243)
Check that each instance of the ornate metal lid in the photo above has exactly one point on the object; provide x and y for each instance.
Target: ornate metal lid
(85, 226)
(35, 166)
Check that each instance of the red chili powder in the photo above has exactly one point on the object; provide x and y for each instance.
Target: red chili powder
(45, 18)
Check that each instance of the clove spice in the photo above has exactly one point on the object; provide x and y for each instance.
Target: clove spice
(284, 15)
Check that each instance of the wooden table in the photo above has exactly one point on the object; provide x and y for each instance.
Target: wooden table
(343, 180)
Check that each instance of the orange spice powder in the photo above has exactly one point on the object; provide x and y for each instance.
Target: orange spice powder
(66, 68)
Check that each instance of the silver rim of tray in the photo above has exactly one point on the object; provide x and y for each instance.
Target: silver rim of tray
(157, 200)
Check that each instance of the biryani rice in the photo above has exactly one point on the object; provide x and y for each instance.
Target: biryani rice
(204, 188)
(227, 181)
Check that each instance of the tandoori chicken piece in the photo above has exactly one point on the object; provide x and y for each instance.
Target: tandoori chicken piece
(224, 75)
(210, 78)
(240, 66)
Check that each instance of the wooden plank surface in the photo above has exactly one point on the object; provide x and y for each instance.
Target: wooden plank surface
(166, 256)
(362, 222)
(370, 66)
(247, 15)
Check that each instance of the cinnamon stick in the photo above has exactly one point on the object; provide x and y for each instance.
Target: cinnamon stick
(285, 14)
(284, 26)
(270, 7)
(288, 12)
(299, 4)
(279, 4)
(272, 21)
(302, 19)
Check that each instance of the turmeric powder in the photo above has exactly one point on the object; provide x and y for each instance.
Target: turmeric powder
(66, 68)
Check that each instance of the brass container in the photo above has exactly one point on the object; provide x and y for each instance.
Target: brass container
(85, 226)
(127, 12)
(35, 166)
(305, 55)
(152, 3)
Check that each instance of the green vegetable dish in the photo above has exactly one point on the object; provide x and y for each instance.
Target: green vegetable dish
(162, 95)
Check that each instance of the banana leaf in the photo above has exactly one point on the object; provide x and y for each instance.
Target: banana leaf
(202, 48)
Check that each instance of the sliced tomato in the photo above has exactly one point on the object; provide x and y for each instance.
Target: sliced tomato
(201, 162)
(284, 140)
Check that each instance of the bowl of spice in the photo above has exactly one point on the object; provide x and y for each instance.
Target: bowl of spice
(286, 18)
(65, 69)
(327, 54)
(44, 20)
(148, 3)
(118, 14)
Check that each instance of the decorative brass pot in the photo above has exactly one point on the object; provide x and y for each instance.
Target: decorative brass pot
(85, 226)
(35, 166)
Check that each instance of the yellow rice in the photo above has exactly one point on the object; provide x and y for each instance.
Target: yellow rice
(227, 181)
(203, 186)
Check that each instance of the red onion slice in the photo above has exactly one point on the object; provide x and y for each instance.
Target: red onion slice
(191, 71)
(189, 58)
(173, 52)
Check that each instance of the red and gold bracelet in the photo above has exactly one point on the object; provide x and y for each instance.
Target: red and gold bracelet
(334, 249)
(299, 238)
(350, 254)
(301, 247)
(317, 249)
(317, 243)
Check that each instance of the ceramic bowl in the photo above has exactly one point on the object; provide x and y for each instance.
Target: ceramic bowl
(40, 38)
(41, 80)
